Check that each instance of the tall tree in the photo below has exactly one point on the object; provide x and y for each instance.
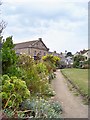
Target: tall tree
(9, 57)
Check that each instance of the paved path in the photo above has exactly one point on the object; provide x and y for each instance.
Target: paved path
(72, 105)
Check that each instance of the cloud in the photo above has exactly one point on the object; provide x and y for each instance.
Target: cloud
(40, 1)
(61, 24)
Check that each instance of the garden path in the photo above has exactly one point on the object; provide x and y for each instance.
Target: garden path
(72, 105)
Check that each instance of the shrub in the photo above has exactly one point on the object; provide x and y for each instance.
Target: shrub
(14, 91)
(42, 108)
(52, 60)
(36, 75)
(41, 68)
(56, 106)
(50, 92)
(16, 71)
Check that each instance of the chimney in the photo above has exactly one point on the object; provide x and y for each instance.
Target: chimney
(40, 39)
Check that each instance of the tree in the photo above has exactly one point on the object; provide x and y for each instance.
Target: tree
(68, 54)
(78, 60)
(9, 56)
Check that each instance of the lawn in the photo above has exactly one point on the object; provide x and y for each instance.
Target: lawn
(79, 77)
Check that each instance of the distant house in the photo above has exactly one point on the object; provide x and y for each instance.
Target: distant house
(80, 53)
(62, 56)
(54, 53)
(66, 60)
(69, 61)
(77, 53)
(86, 54)
(33, 48)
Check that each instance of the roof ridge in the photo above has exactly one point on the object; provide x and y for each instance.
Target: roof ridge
(27, 41)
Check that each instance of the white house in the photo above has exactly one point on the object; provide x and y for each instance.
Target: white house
(87, 54)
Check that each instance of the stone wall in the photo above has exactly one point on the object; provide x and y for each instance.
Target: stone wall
(22, 51)
(34, 51)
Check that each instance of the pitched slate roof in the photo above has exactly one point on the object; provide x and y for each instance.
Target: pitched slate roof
(28, 44)
(24, 44)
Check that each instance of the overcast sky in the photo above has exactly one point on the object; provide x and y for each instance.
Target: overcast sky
(62, 25)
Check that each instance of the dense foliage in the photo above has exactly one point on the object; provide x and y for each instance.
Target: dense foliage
(51, 61)
(9, 57)
(35, 76)
(25, 79)
(78, 61)
(37, 108)
(14, 91)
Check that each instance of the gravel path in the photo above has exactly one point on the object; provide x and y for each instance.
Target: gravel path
(72, 105)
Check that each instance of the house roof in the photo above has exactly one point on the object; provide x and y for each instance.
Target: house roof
(28, 44)
(81, 52)
(24, 44)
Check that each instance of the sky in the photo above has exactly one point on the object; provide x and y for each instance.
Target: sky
(62, 24)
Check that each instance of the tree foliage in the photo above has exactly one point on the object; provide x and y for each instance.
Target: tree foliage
(77, 60)
(69, 54)
(9, 56)
(51, 62)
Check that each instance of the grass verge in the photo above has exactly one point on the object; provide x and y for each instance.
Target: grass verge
(79, 79)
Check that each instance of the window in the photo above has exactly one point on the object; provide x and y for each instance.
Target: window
(40, 52)
(44, 53)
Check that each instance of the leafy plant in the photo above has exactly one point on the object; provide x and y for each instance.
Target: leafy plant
(42, 108)
(56, 106)
(41, 68)
(53, 59)
(14, 91)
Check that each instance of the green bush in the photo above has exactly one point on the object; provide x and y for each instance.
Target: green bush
(42, 108)
(16, 71)
(9, 113)
(41, 68)
(56, 106)
(50, 92)
(36, 76)
(14, 91)
(53, 62)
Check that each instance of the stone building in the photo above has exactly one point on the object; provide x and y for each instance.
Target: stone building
(34, 48)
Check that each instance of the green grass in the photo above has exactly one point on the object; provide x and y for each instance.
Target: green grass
(79, 77)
